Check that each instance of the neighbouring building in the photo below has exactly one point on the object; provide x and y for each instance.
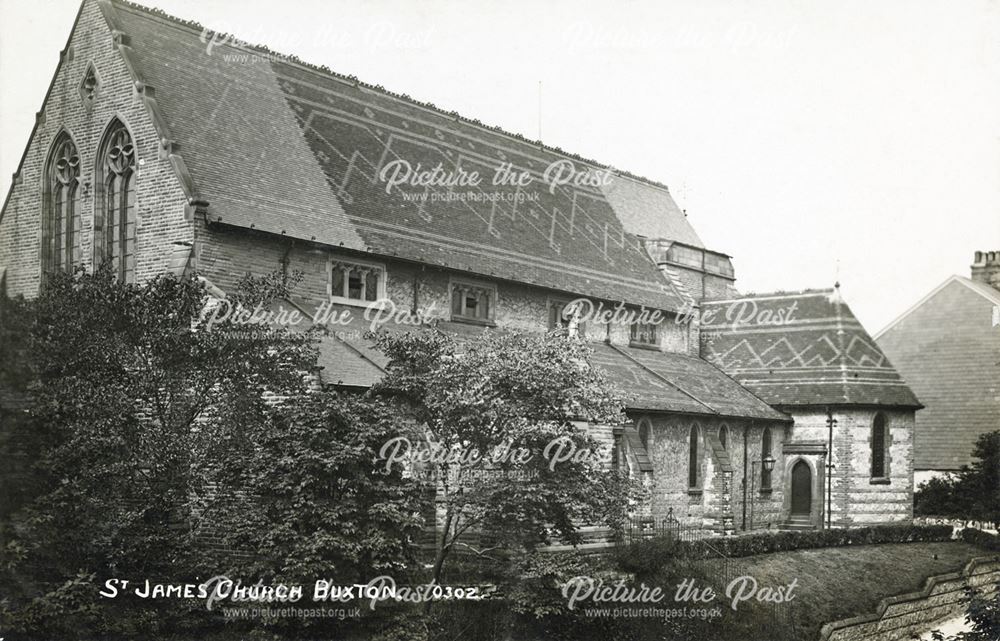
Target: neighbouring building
(161, 147)
(947, 347)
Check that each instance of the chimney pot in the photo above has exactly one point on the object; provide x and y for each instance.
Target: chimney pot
(986, 268)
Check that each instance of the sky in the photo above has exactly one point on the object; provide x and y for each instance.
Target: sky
(811, 141)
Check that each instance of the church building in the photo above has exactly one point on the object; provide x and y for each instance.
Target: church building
(162, 147)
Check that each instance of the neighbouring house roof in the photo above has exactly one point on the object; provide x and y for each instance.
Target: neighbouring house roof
(276, 145)
(947, 346)
(990, 294)
(800, 348)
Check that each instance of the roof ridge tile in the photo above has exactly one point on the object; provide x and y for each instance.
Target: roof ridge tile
(292, 58)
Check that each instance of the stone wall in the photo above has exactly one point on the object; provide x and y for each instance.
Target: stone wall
(858, 499)
(901, 616)
(224, 255)
(703, 506)
(704, 285)
(160, 199)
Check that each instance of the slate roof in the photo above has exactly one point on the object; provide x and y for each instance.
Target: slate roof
(668, 382)
(649, 212)
(948, 349)
(819, 354)
(650, 380)
(279, 146)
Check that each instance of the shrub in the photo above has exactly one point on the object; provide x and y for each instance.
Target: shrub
(118, 417)
(982, 539)
(648, 557)
(971, 494)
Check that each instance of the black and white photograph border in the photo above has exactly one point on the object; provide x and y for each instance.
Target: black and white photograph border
(501, 321)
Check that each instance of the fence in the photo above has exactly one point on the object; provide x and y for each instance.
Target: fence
(958, 524)
(723, 568)
(645, 528)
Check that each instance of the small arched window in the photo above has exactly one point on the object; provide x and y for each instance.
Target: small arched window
(61, 216)
(644, 429)
(880, 440)
(693, 457)
(724, 437)
(115, 219)
(765, 452)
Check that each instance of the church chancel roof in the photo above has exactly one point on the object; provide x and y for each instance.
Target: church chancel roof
(801, 348)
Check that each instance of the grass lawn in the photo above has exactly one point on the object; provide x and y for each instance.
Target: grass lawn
(834, 583)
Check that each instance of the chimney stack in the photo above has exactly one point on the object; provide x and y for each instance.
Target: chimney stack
(986, 268)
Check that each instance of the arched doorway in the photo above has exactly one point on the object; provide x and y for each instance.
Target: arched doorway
(801, 489)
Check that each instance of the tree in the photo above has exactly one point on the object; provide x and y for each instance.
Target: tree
(981, 480)
(971, 494)
(503, 444)
(127, 381)
(315, 503)
(939, 496)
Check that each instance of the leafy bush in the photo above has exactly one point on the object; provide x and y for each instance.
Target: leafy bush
(971, 494)
(982, 539)
(651, 556)
(515, 393)
(648, 557)
(124, 385)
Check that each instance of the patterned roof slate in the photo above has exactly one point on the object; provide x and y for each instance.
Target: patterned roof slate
(275, 145)
(240, 142)
(800, 349)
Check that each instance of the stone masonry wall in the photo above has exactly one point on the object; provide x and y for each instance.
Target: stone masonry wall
(224, 255)
(899, 617)
(160, 199)
(701, 507)
(703, 285)
(857, 498)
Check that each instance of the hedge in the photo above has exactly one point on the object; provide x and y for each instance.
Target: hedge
(653, 554)
(983, 539)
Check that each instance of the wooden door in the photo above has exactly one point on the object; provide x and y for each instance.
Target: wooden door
(801, 489)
